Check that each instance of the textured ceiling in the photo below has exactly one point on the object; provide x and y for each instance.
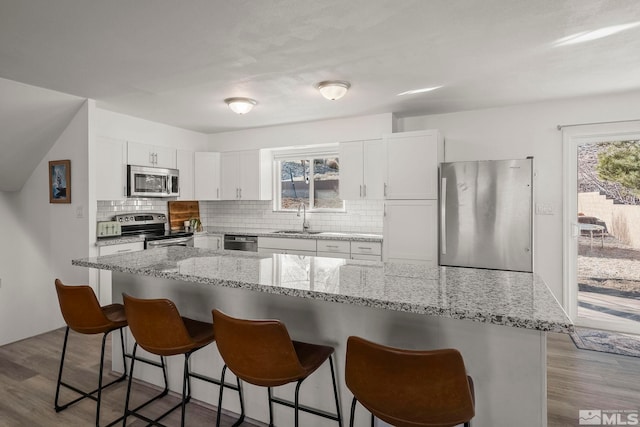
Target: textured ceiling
(175, 61)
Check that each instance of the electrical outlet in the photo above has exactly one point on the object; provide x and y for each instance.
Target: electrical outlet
(542, 209)
(80, 212)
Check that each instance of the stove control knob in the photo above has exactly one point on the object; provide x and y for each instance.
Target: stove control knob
(126, 218)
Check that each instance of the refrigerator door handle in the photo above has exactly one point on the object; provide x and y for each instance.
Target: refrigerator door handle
(443, 216)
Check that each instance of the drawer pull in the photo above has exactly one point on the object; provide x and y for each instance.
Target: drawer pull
(365, 248)
(332, 246)
(124, 250)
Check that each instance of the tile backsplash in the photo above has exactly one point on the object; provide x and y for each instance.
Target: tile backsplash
(107, 209)
(360, 216)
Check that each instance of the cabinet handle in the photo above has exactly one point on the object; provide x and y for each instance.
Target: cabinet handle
(240, 193)
(218, 195)
(151, 157)
(364, 248)
(385, 189)
(443, 216)
(123, 250)
(360, 190)
(384, 209)
(365, 190)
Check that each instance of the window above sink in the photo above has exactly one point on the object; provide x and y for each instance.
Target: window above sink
(309, 177)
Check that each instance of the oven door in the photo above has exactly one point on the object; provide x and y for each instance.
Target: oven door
(162, 243)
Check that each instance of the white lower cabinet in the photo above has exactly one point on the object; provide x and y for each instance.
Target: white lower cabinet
(278, 245)
(345, 249)
(411, 231)
(208, 241)
(368, 251)
(334, 248)
(104, 277)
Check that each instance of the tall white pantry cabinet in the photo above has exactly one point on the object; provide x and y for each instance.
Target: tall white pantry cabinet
(411, 196)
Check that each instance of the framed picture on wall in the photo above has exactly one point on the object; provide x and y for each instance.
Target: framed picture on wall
(60, 181)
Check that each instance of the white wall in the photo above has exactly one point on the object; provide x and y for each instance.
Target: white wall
(40, 239)
(128, 128)
(528, 130)
(311, 133)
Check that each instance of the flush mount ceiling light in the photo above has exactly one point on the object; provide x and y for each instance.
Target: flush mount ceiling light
(423, 90)
(587, 36)
(240, 105)
(333, 89)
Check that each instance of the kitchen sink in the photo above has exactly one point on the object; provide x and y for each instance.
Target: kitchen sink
(296, 232)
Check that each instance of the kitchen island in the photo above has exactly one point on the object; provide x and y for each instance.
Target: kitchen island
(498, 320)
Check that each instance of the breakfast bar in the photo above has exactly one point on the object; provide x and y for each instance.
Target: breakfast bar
(497, 319)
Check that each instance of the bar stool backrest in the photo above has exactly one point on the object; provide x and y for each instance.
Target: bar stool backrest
(81, 310)
(409, 387)
(259, 352)
(157, 326)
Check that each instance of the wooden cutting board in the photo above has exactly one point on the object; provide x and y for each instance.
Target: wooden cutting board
(181, 211)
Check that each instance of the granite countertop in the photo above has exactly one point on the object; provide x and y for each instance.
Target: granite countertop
(319, 235)
(296, 234)
(520, 300)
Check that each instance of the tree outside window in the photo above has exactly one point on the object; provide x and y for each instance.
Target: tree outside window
(317, 187)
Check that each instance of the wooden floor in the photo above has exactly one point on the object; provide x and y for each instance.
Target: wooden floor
(28, 374)
(583, 379)
(577, 379)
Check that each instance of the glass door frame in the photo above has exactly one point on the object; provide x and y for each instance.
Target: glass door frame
(572, 138)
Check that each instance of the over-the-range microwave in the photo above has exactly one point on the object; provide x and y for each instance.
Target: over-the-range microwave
(143, 181)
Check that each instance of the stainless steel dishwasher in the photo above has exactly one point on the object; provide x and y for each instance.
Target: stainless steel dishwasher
(236, 242)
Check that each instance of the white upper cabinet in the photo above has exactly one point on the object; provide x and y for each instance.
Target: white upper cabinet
(362, 170)
(207, 176)
(229, 163)
(246, 175)
(412, 160)
(151, 155)
(184, 163)
(111, 169)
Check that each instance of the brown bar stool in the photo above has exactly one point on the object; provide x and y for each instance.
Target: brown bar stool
(158, 328)
(409, 388)
(83, 314)
(261, 353)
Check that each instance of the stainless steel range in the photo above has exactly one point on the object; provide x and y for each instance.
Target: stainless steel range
(152, 226)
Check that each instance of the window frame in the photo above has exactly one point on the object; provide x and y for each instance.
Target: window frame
(297, 154)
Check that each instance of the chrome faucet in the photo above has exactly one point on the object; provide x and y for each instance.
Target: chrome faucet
(305, 223)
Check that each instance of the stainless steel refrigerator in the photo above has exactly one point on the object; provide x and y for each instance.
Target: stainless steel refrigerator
(486, 214)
